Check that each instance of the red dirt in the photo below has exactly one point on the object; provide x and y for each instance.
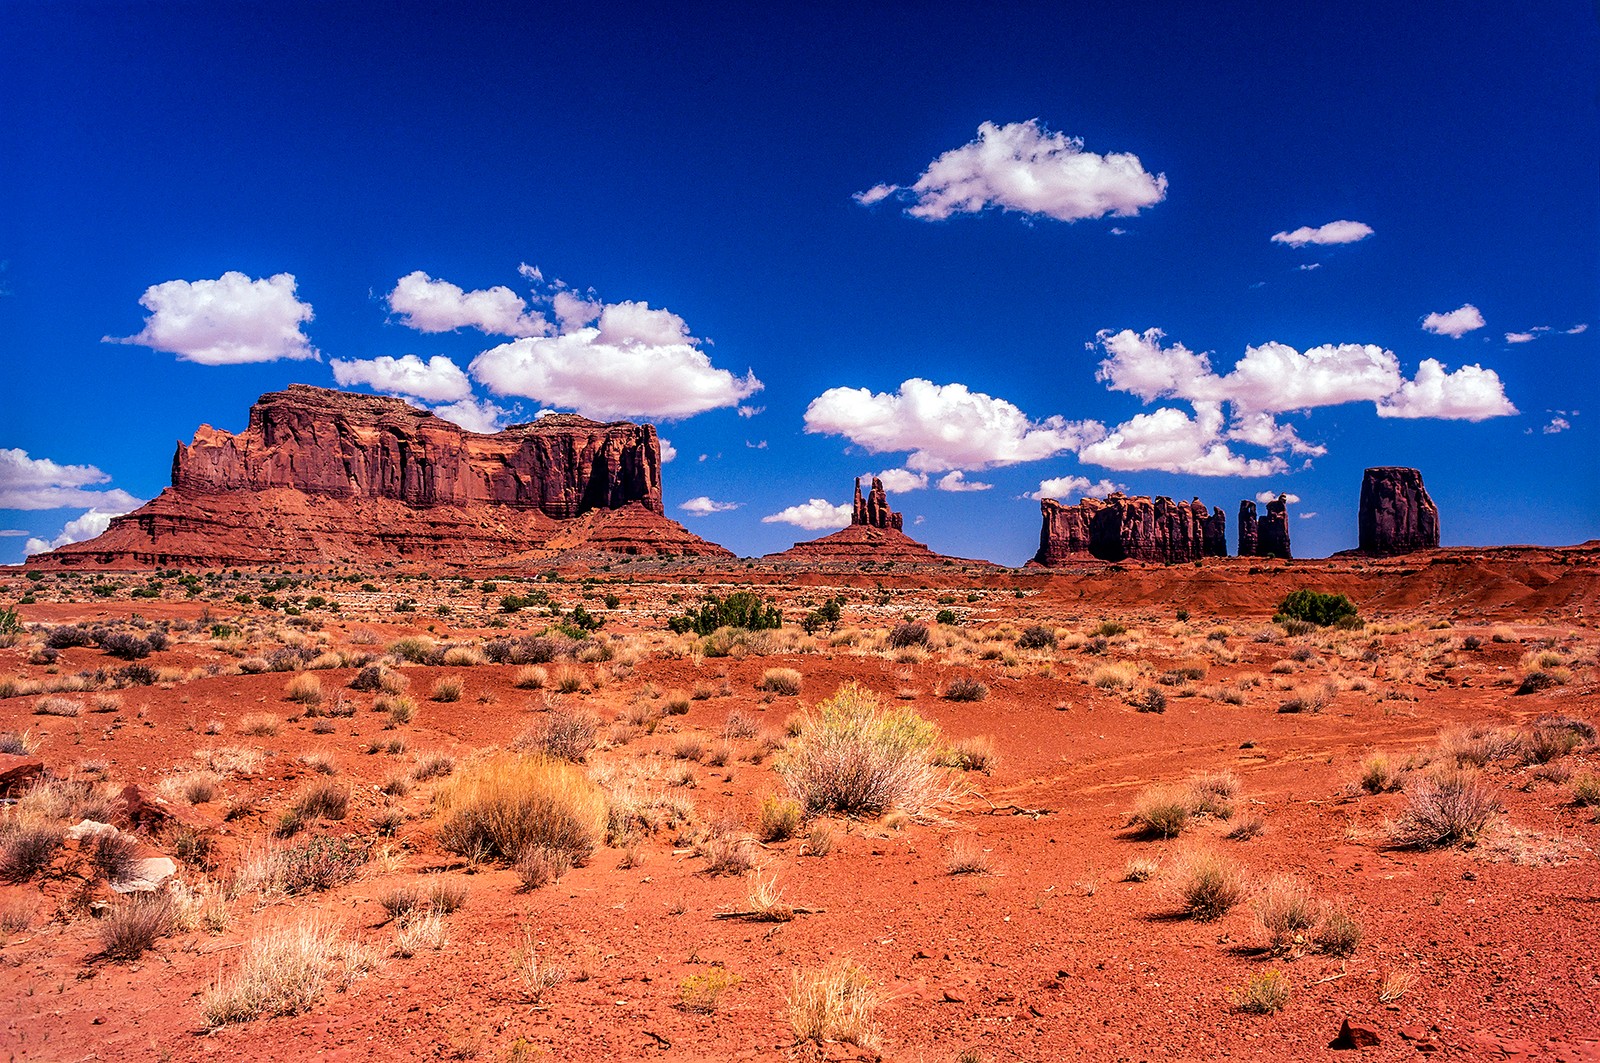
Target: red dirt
(1053, 956)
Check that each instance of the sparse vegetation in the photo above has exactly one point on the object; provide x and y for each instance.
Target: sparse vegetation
(507, 804)
(835, 1003)
(1313, 607)
(1449, 809)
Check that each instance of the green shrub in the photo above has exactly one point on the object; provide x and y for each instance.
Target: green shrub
(741, 609)
(1313, 607)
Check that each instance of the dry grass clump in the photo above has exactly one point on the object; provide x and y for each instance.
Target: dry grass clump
(425, 931)
(231, 760)
(1263, 994)
(26, 847)
(568, 680)
(114, 855)
(701, 993)
(562, 735)
(1379, 775)
(976, 753)
(51, 705)
(859, 759)
(967, 857)
(285, 971)
(322, 800)
(318, 760)
(531, 677)
(1161, 812)
(764, 903)
(381, 678)
(1114, 676)
(1286, 911)
(1209, 886)
(131, 927)
(447, 688)
(835, 1003)
(432, 766)
(400, 710)
(727, 852)
(1449, 809)
(965, 688)
(507, 804)
(1586, 791)
(778, 819)
(780, 681)
(1310, 699)
(1478, 747)
(541, 867)
(304, 689)
(260, 725)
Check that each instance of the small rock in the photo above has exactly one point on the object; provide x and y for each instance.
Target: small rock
(1352, 1037)
(953, 998)
(17, 773)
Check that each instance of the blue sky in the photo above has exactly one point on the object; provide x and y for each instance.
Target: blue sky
(835, 203)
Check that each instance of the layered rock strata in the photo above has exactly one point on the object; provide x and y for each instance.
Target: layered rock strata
(1397, 516)
(1124, 528)
(323, 476)
(873, 535)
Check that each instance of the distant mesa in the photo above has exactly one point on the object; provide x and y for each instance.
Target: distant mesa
(322, 476)
(1397, 516)
(1268, 534)
(1124, 528)
(873, 535)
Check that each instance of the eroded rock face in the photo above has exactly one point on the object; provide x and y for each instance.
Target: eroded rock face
(1130, 529)
(1248, 528)
(1272, 530)
(874, 534)
(873, 511)
(323, 476)
(334, 443)
(1397, 516)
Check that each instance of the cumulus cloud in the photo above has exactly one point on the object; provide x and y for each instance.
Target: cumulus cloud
(957, 481)
(1272, 496)
(1456, 323)
(1169, 440)
(430, 305)
(750, 411)
(942, 426)
(1521, 337)
(1471, 393)
(668, 451)
(436, 380)
(475, 415)
(1335, 232)
(813, 515)
(1023, 167)
(228, 321)
(704, 506)
(39, 483)
(897, 480)
(86, 527)
(1064, 487)
(624, 360)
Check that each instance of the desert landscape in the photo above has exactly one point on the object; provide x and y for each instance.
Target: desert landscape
(622, 793)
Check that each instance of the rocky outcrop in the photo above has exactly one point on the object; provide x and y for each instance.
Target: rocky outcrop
(1249, 528)
(1272, 530)
(1397, 516)
(324, 477)
(1124, 528)
(873, 511)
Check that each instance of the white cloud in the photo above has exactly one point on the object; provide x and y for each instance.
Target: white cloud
(429, 305)
(1556, 426)
(1263, 430)
(751, 411)
(1471, 393)
(1305, 516)
(436, 380)
(12, 533)
(758, 445)
(39, 483)
(1335, 232)
(703, 506)
(1520, 337)
(1456, 323)
(943, 426)
(668, 451)
(228, 321)
(896, 481)
(814, 515)
(83, 528)
(1169, 440)
(634, 362)
(1309, 266)
(1064, 487)
(1272, 496)
(957, 481)
(475, 415)
(1023, 167)
(1578, 329)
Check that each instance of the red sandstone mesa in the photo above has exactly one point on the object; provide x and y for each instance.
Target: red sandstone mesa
(1397, 516)
(1130, 529)
(873, 534)
(325, 476)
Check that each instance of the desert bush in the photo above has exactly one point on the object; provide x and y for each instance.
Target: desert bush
(51, 705)
(778, 819)
(741, 609)
(1286, 911)
(413, 648)
(780, 681)
(304, 689)
(1379, 775)
(857, 758)
(531, 677)
(114, 855)
(401, 710)
(701, 993)
(834, 1004)
(432, 766)
(1109, 629)
(1553, 737)
(1337, 934)
(260, 725)
(540, 867)
(1211, 793)
(1263, 994)
(1209, 886)
(464, 657)
(317, 865)
(967, 857)
(426, 930)
(738, 725)
(1477, 747)
(1148, 700)
(131, 927)
(1161, 812)
(283, 971)
(568, 680)
(1313, 607)
(562, 735)
(908, 634)
(1114, 676)
(1037, 637)
(26, 848)
(67, 637)
(447, 688)
(322, 800)
(504, 805)
(1450, 809)
(965, 688)
(976, 753)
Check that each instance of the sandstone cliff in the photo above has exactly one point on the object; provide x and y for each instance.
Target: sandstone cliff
(323, 476)
(1130, 529)
(1272, 530)
(1396, 516)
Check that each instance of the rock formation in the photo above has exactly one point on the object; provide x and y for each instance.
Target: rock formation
(874, 534)
(323, 476)
(1249, 529)
(1130, 529)
(1272, 530)
(1397, 516)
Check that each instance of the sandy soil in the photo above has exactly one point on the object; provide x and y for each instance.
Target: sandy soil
(1049, 954)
